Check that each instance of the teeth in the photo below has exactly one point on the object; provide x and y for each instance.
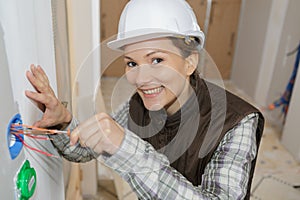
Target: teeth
(153, 91)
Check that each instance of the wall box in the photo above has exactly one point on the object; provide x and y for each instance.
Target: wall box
(25, 181)
(14, 141)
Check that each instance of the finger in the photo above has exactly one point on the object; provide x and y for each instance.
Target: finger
(77, 136)
(89, 128)
(74, 137)
(86, 130)
(38, 97)
(42, 74)
(37, 83)
(93, 141)
(39, 79)
(33, 70)
(101, 116)
(42, 124)
(45, 122)
(32, 67)
(32, 80)
(36, 73)
(37, 124)
(98, 148)
(108, 121)
(40, 105)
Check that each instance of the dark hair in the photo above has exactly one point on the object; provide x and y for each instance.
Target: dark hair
(186, 45)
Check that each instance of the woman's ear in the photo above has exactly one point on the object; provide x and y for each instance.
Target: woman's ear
(191, 63)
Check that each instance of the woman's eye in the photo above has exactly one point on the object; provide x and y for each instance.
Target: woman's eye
(131, 64)
(157, 60)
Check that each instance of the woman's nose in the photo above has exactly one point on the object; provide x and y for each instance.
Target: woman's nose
(140, 75)
(144, 75)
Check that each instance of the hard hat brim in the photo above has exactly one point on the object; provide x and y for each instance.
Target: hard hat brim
(118, 44)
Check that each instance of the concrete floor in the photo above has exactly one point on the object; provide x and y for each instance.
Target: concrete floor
(277, 174)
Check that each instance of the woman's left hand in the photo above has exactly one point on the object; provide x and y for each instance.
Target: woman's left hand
(100, 133)
(54, 113)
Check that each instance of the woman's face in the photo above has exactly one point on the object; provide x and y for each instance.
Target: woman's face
(159, 73)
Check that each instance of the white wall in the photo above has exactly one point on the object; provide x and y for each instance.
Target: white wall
(288, 41)
(8, 168)
(291, 136)
(284, 66)
(28, 38)
(268, 31)
(271, 47)
(250, 44)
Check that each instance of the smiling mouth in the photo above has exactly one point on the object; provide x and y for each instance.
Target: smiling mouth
(152, 91)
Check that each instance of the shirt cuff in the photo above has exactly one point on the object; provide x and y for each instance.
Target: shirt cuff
(73, 124)
(58, 138)
(135, 156)
(130, 150)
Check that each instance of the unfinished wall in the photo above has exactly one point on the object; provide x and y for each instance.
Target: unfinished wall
(269, 30)
(270, 51)
(288, 41)
(84, 41)
(250, 44)
(284, 66)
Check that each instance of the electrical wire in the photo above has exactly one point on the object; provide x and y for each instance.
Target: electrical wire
(284, 99)
(36, 130)
(34, 149)
(33, 132)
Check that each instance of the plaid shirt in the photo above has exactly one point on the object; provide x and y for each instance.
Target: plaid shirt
(150, 175)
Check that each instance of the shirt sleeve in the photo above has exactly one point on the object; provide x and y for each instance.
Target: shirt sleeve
(121, 114)
(75, 153)
(225, 177)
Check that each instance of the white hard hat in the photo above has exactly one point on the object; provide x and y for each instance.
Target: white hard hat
(148, 19)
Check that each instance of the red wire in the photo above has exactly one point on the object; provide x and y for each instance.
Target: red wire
(37, 137)
(34, 149)
(29, 135)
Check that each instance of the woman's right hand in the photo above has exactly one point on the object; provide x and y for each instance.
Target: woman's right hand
(54, 112)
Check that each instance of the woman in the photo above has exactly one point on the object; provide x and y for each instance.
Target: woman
(177, 137)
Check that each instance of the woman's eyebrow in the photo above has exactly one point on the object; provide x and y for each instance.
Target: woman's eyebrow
(153, 52)
(147, 55)
(127, 57)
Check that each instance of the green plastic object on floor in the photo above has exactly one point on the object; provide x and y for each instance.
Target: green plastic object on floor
(26, 181)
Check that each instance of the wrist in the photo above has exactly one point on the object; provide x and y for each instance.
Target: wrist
(68, 117)
(116, 142)
(64, 121)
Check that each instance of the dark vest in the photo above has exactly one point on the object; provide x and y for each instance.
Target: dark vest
(190, 136)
